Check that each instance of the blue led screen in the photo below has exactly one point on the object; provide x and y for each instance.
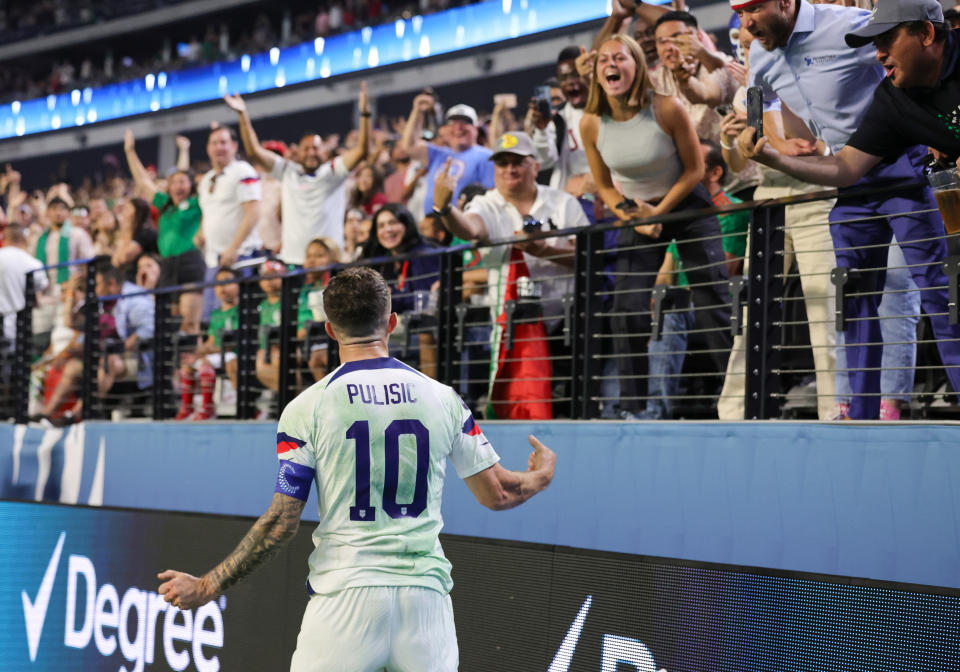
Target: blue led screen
(387, 44)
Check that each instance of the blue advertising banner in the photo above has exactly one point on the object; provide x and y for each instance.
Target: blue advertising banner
(79, 592)
(876, 502)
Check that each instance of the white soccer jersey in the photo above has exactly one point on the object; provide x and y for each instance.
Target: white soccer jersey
(375, 435)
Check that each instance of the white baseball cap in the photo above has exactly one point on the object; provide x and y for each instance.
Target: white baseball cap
(462, 111)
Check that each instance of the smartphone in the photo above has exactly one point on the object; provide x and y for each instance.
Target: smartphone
(755, 110)
(541, 95)
(509, 100)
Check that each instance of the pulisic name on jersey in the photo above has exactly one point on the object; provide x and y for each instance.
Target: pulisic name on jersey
(383, 395)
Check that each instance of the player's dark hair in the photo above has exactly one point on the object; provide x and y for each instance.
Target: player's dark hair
(940, 30)
(568, 53)
(714, 158)
(682, 17)
(226, 269)
(56, 200)
(357, 302)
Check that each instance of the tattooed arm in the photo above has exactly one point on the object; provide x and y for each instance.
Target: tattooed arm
(268, 535)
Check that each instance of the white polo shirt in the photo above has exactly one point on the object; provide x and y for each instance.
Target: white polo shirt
(221, 197)
(312, 205)
(14, 266)
(503, 220)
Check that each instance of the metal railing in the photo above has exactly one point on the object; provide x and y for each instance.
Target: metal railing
(584, 335)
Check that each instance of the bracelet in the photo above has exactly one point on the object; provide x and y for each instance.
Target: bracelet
(444, 211)
(725, 145)
(366, 114)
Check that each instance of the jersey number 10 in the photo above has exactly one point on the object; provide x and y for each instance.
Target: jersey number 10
(360, 433)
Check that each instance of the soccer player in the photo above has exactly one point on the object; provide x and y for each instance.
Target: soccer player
(374, 435)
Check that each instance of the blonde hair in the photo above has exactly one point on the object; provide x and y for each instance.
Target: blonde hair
(641, 89)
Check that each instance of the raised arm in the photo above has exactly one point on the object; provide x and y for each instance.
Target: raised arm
(466, 225)
(183, 153)
(272, 531)
(354, 156)
(500, 489)
(259, 157)
(411, 140)
(146, 186)
(621, 12)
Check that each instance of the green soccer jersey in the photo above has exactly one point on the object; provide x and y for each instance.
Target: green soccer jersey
(375, 435)
(223, 320)
(304, 314)
(269, 317)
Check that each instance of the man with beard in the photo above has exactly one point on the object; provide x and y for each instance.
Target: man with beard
(799, 57)
(557, 140)
(312, 197)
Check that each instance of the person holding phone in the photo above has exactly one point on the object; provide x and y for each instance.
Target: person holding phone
(647, 143)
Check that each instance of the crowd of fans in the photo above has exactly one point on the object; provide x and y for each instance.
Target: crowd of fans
(208, 40)
(648, 120)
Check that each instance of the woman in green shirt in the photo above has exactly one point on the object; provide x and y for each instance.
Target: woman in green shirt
(178, 223)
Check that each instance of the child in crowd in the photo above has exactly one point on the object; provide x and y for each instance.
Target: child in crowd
(268, 373)
(207, 358)
(321, 252)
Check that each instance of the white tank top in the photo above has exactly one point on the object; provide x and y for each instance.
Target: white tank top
(641, 157)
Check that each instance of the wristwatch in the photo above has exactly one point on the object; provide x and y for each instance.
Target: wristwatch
(444, 211)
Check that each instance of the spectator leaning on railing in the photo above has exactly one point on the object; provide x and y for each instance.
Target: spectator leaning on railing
(312, 198)
(832, 96)
(647, 144)
(520, 378)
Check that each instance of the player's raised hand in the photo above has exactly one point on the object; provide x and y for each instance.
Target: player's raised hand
(183, 590)
(542, 459)
(235, 103)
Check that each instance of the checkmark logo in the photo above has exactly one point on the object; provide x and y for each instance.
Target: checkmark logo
(564, 656)
(35, 612)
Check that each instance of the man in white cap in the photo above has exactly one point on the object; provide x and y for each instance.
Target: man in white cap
(469, 162)
(799, 57)
(516, 207)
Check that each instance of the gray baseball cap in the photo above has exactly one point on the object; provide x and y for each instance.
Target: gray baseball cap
(889, 14)
(514, 142)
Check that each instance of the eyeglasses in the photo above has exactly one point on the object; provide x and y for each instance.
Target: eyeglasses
(509, 160)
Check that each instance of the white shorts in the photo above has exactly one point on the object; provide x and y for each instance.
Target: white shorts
(393, 628)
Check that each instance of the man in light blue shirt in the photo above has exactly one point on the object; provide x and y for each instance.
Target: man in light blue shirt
(800, 56)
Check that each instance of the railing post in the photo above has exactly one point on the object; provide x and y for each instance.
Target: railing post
(764, 288)
(164, 354)
(451, 281)
(587, 292)
(91, 340)
(21, 354)
(247, 350)
(289, 295)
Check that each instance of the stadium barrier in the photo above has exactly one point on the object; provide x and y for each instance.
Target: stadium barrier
(659, 546)
(519, 345)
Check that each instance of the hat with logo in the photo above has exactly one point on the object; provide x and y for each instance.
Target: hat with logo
(463, 112)
(273, 266)
(889, 14)
(514, 142)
